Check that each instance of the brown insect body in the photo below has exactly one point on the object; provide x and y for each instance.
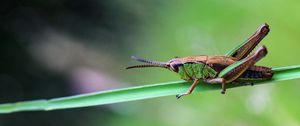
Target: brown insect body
(218, 63)
(236, 66)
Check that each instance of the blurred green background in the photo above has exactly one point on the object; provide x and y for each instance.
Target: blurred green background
(65, 47)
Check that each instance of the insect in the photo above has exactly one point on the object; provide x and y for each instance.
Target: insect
(236, 66)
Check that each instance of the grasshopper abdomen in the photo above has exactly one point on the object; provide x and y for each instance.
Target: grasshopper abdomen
(256, 75)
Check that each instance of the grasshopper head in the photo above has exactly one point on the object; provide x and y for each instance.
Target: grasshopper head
(171, 65)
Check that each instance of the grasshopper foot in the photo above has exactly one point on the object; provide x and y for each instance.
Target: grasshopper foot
(223, 91)
(180, 95)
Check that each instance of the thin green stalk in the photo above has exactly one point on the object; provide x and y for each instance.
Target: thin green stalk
(133, 93)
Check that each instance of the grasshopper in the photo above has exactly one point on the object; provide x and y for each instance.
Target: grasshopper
(237, 66)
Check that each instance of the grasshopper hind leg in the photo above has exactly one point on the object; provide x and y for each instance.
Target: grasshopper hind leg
(234, 71)
(244, 49)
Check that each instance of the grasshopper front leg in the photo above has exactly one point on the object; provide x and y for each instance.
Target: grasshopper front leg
(190, 90)
(235, 70)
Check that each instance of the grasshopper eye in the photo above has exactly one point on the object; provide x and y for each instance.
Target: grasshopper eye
(175, 67)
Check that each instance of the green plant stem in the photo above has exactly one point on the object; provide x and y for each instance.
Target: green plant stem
(133, 93)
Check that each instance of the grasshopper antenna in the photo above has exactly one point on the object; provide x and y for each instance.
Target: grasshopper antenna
(147, 61)
(150, 63)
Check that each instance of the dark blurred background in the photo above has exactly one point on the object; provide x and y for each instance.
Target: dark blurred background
(61, 47)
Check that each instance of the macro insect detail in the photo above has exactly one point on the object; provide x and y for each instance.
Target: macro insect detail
(236, 66)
